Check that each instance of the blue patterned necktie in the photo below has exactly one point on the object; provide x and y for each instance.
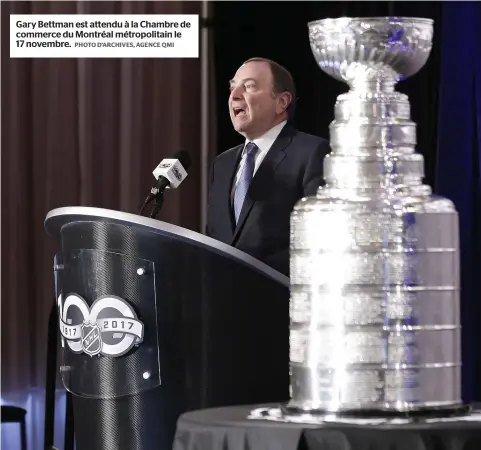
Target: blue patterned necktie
(245, 178)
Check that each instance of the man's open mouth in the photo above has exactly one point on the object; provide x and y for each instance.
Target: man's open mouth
(238, 111)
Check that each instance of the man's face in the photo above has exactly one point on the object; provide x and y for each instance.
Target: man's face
(253, 107)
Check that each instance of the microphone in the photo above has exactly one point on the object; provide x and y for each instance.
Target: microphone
(169, 174)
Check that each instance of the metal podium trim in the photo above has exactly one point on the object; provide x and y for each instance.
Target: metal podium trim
(59, 217)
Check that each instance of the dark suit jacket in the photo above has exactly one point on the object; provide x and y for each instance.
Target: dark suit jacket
(291, 170)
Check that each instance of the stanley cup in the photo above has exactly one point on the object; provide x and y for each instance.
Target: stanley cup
(374, 309)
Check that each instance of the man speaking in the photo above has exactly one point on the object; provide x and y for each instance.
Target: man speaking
(254, 186)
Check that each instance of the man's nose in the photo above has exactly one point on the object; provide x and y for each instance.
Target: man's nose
(236, 93)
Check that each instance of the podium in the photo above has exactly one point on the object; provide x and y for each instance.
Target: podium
(157, 320)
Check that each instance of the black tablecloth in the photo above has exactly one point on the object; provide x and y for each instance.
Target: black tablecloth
(229, 429)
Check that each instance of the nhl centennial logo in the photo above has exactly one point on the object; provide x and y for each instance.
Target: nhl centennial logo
(109, 327)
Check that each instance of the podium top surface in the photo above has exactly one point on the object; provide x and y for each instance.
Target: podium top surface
(57, 218)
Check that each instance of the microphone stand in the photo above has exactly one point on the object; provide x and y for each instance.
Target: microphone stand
(157, 193)
(149, 198)
(159, 200)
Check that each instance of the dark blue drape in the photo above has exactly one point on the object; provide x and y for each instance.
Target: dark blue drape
(458, 173)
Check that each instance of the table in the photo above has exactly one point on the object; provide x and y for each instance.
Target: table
(228, 428)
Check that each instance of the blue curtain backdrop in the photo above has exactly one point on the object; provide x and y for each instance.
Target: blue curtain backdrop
(458, 173)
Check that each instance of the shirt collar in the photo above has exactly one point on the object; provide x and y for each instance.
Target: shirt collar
(264, 142)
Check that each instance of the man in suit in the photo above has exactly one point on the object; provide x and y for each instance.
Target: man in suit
(254, 186)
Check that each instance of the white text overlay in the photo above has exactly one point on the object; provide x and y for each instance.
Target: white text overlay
(104, 36)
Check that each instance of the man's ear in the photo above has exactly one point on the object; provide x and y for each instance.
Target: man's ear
(283, 101)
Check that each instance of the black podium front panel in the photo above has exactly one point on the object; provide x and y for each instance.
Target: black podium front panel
(104, 294)
(219, 327)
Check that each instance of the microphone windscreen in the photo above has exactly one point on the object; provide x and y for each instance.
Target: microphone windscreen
(184, 157)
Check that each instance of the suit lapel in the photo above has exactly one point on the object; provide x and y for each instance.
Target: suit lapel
(263, 176)
(228, 177)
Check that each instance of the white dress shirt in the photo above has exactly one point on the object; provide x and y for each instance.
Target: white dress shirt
(264, 143)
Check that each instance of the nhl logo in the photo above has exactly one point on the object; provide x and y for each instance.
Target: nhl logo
(109, 327)
(91, 339)
(177, 173)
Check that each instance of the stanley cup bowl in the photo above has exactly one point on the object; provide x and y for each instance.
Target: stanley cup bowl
(374, 259)
(371, 48)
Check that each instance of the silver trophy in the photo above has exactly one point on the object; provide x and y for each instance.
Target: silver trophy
(374, 309)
